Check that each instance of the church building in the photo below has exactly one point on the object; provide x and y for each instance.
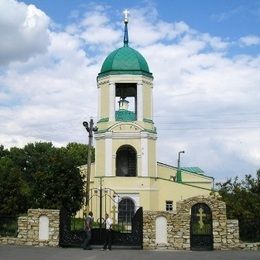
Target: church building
(126, 167)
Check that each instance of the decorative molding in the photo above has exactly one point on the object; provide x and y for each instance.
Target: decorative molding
(146, 120)
(104, 119)
(125, 123)
(127, 135)
(103, 82)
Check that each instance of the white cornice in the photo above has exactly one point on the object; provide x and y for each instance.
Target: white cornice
(126, 135)
(124, 78)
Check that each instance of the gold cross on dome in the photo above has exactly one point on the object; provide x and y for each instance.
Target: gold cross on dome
(126, 14)
(201, 215)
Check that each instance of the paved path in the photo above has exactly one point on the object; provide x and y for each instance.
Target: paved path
(47, 253)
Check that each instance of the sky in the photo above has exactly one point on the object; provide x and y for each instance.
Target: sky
(204, 56)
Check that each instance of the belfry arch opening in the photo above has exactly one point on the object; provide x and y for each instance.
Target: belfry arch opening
(126, 161)
(126, 102)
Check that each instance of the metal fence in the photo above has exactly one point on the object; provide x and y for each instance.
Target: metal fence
(8, 226)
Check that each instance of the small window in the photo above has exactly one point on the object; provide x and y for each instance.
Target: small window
(169, 205)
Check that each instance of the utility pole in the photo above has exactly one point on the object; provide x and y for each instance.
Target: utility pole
(179, 178)
(90, 129)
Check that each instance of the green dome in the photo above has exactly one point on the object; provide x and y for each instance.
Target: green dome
(125, 60)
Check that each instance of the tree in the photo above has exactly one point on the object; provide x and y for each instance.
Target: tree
(3, 151)
(243, 203)
(14, 191)
(42, 176)
(61, 185)
(79, 153)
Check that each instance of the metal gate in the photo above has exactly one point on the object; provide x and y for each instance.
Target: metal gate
(128, 235)
(127, 230)
(201, 235)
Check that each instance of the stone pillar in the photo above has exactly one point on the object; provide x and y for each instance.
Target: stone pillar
(232, 233)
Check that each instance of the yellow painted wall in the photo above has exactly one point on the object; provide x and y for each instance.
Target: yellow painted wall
(100, 157)
(165, 172)
(104, 106)
(153, 192)
(197, 180)
(169, 190)
(152, 158)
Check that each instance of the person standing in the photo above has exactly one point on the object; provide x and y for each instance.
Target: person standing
(108, 238)
(88, 226)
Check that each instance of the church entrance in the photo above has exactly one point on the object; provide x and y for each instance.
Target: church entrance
(201, 235)
(127, 229)
(126, 160)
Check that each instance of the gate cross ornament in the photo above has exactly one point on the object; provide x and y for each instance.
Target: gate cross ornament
(201, 215)
(114, 211)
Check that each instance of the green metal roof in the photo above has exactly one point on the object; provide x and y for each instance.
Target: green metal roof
(125, 115)
(193, 169)
(125, 60)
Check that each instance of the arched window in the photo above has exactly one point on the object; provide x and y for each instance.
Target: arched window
(126, 210)
(126, 161)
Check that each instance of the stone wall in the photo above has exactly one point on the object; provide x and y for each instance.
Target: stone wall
(149, 232)
(250, 246)
(232, 233)
(28, 229)
(225, 232)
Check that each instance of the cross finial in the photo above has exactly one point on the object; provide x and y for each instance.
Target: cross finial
(126, 15)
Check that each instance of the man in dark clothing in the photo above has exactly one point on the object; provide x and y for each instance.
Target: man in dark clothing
(88, 226)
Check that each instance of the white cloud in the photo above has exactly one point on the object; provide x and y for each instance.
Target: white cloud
(250, 40)
(145, 28)
(205, 101)
(23, 30)
(96, 29)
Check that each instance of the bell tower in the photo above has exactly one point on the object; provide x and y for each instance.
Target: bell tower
(126, 137)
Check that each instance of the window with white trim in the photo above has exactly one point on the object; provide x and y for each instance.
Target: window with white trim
(169, 205)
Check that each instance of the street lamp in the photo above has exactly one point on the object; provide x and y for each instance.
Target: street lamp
(90, 129)
(179, 177)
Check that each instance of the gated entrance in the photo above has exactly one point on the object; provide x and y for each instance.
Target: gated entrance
(127, 221)
(201, 235)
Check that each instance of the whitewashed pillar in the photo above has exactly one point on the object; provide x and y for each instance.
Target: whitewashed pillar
(112, 90)
(140, 102)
